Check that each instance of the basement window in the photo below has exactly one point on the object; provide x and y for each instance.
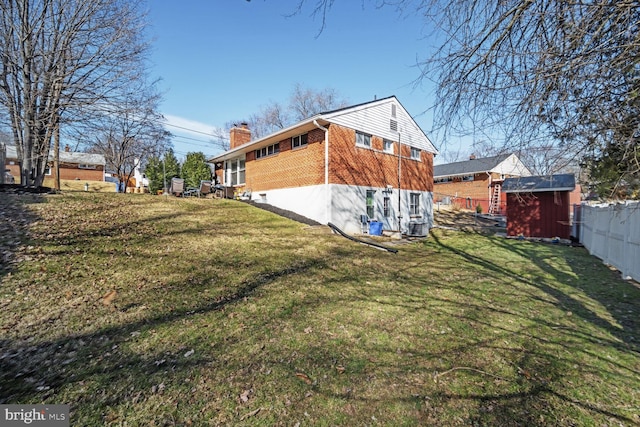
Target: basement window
(414, 204)
(370, 197)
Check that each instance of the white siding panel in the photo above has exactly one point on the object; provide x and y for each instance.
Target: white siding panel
(309, 201)
(349, 202)
(512, 166)
(374, 118)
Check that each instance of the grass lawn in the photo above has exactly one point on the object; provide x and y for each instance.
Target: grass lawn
(141, 310)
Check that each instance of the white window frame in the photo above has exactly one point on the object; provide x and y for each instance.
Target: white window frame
(86, 166)
(236, 169)
(415, 153)
(387, 146)
(370, 207)
(414, 204)
(300, 140)
(363, 139)
(386, 206)
(269, 150)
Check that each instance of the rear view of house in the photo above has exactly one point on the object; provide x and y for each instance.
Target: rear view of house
(365, 162)
(477, 183)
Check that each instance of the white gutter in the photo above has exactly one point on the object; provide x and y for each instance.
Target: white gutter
(326, 170)
(273, 137)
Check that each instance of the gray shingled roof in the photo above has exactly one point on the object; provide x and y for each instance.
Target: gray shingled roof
(531, 184)
(468, 167)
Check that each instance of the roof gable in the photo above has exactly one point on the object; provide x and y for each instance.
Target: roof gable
(386, 118)
(504, 164)
(478, 165)
(373, 117)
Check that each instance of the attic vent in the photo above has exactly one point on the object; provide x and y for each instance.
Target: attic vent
(393, 125)
(393, 110)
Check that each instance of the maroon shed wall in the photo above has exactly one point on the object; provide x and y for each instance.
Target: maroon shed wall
(540, 214)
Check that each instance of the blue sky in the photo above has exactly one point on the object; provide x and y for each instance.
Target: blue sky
(223, 60)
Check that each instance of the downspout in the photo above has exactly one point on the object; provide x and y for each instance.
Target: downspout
(326, 170)
(489, 189)
(399, 185)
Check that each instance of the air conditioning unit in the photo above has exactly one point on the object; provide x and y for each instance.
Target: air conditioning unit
(417, 229)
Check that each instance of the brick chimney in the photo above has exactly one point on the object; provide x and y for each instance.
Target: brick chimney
(472, 157)
(239, 135)
(67, 149)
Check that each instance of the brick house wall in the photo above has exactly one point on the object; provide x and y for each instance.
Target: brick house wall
(372, 167)
(348, 164)
(291, 167)
(73, 172)
(469, 194)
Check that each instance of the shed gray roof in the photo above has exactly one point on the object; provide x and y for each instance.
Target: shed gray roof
(531, 184)
(478, 165)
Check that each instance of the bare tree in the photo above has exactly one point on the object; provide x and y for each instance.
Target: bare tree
(303, 103)
(60, 56)
(131, 131)
(534, 73)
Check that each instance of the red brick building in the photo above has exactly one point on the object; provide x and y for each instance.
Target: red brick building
(73, 165)
(369, 159)
(477, 182)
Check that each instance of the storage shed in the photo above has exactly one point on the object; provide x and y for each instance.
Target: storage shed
(539, 206)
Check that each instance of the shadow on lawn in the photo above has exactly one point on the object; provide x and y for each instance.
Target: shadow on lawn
(14, 221)
(499, 409)
(74, 359)
(566, 302)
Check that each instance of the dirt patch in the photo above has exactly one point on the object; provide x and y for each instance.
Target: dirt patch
(468, 221)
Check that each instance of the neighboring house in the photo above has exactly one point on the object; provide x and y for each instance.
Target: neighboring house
(73, 166)
(539, 206)
(477, 182)
(338, 166)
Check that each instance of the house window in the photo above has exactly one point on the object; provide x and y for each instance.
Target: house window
(47, 170)
(414, 204)
(386, 207)
(443, 180)
(388, 146)
(363, 139)
(268, 151)
(393, 110)
(300, 140)
(467, 178)
(236, 171)
(415, 153)
(370, 198)
(81, 166)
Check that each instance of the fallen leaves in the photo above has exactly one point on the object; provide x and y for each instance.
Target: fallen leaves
(107, 299)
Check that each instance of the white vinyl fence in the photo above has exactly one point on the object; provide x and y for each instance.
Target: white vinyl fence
(612, 233)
